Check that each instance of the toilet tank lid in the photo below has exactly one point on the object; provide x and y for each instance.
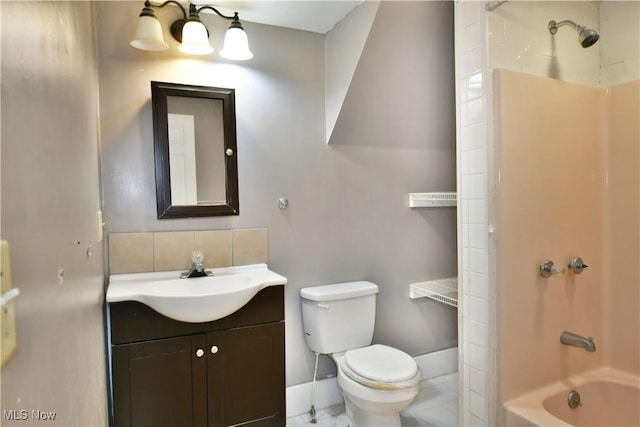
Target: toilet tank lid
(339, 291)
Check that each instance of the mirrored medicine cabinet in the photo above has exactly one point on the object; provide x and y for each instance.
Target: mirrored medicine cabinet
(194, 129)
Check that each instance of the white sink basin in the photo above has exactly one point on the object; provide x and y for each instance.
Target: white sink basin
(194, 300)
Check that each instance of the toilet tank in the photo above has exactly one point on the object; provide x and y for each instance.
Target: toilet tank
(339, 317)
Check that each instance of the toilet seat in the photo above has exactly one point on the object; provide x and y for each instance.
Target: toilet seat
(380, 366)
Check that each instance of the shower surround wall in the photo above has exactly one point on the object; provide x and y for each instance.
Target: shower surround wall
(622, 229)
(550, 206)
(568, 187)
(515, 36)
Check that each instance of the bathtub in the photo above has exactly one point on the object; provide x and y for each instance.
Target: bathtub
(609, 398)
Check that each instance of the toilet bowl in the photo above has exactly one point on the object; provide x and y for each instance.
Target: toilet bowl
(376, 381)
(376, 385)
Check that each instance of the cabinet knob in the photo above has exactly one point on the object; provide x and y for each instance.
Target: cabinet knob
(214, 349)
(199, 352)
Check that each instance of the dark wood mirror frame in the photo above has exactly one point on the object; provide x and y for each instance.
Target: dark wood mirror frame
(159, 93)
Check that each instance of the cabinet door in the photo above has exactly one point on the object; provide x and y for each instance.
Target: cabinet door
(246, 376)
(160, 383)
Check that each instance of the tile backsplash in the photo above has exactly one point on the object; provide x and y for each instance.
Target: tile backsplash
(250, 246)
(164, 251)
(130, 252)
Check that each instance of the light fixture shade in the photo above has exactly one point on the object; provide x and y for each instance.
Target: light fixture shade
(149, 34)
(236, 44)
(195, 39)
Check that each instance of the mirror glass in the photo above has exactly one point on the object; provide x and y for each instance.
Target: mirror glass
(195, 150)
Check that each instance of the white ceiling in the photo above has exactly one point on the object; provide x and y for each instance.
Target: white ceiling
(318, 16)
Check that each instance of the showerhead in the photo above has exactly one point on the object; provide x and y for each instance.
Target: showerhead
(587, 36)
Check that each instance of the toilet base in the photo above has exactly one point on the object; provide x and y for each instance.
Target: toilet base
(371, 407)
(343, 420)
(356, 417)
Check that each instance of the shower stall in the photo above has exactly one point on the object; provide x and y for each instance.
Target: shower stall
(548, 160)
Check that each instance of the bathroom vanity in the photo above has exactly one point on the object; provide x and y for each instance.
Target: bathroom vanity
(224, 372)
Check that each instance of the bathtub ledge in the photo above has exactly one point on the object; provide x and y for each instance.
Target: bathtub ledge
(529, 408)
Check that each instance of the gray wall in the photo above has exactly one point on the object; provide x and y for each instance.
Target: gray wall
(50, 195)
(348, 217)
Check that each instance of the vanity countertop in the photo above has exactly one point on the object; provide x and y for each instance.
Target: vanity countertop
(200, 299)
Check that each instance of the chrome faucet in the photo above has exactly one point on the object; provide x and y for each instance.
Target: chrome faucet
(570, 338)
(197, 269)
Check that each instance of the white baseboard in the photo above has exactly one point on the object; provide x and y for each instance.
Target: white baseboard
(299, 396)
(327, 394)
(438, 362)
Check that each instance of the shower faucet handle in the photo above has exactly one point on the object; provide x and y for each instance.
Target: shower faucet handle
(548, 269)
(577, 265)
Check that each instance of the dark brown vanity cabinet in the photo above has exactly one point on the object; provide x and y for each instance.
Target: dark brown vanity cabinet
(223, 373)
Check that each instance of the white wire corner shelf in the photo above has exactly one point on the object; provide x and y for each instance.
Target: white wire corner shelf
(442, 290)
(432, 200)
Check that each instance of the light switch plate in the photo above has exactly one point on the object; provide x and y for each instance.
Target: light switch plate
(9, 341)
(100, 225)
(9, 338)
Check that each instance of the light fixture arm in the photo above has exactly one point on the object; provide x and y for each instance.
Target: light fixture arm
(176, 26)
(206, 6)
(147, 3)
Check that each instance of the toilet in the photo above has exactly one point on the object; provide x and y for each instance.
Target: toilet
(376, 381)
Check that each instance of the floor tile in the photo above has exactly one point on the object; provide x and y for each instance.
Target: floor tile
(435, 405)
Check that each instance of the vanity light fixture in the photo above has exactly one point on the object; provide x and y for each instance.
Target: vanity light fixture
(190, 32)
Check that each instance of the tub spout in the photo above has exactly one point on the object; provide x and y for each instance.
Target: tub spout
(570, 338)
